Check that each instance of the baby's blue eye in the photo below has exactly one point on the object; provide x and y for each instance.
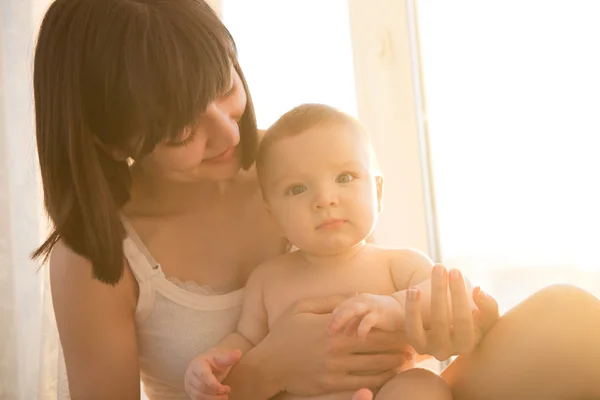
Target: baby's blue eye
(344, 178)
(296, 189)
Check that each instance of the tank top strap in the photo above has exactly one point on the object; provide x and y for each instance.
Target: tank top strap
(141, 262)
(144, 268)
(151, 279)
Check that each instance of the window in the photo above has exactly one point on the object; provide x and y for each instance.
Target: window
(513, 98)
(293, 52)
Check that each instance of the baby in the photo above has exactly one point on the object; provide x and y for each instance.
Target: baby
(317, 171)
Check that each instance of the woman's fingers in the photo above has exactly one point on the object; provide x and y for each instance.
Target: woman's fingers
(363, 394)
(415, 334)
(488, 312)
(351, 382)
(378, 341)
(452, 333)
(463, 337)
(358, 364)
(439, 336)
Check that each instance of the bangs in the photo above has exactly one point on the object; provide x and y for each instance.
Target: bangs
(174, 59)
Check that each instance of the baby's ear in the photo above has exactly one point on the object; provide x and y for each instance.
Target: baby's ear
(273, 219)
(379, 183)
(268, 208)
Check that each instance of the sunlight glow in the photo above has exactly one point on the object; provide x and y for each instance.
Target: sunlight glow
(513, 105)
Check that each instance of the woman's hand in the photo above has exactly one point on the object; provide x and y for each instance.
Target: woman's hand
(363, 394)
(309, 361)
(445, 338)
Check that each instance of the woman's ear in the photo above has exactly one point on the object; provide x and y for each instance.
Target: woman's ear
(379, 183)
(115, 154)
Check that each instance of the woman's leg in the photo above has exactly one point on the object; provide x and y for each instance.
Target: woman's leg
(415, 384)
(547, 347)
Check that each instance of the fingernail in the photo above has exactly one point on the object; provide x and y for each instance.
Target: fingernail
(413, 293)
(454, 274)
(481, 294)
(441, 271)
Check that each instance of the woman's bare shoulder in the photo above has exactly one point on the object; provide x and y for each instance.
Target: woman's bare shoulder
(96, 324)
(71, 274)
(261, 134)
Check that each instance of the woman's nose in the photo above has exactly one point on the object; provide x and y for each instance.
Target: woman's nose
(222, 129)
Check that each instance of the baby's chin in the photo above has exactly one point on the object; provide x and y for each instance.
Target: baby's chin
(330, 249)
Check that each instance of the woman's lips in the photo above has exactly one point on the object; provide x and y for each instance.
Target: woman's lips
(225, 156)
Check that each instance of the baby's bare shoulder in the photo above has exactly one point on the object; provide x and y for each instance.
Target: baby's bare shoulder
(277, 267)
(407, 265)
(396, 255)
(407, 257)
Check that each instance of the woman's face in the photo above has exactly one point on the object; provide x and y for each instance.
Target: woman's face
(209, 149)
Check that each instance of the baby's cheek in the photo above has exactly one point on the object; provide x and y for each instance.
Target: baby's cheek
(298, 231)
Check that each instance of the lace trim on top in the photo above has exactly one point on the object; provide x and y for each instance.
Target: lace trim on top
(193, 287)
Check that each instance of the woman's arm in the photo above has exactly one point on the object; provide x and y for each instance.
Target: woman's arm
(96, 328)
(300, 357)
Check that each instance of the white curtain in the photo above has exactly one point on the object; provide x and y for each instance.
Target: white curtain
(28, 341)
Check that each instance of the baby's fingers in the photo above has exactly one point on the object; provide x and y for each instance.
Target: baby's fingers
(344, 314)
(208, 383)
(367, 323)
(202, 396)
(352, 327)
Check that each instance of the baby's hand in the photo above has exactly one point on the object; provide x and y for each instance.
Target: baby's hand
(205, 373)
(363, 312)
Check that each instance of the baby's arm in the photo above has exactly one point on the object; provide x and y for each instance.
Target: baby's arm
(363, 312)
(410, 268)
(206, 372)
(253, 325)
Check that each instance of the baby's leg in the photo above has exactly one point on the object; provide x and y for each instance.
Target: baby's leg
(415, 384)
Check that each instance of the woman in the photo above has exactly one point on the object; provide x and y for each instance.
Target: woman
(146, 138)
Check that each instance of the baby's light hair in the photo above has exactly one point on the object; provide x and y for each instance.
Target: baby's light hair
(299, 120)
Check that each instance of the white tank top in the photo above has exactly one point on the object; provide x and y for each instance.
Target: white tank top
(175, 321)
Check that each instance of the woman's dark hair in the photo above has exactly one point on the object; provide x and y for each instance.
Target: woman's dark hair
(122, 75)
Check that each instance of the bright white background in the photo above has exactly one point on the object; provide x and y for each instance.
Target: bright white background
(513, 107)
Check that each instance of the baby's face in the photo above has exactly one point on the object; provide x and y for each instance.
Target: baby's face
(322, 190)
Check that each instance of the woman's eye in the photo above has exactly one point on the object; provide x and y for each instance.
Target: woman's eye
(344, 178)
(186, 138)
(230, 92)
(296, 189)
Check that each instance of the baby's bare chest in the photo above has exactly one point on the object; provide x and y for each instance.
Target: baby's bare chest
(283, 291)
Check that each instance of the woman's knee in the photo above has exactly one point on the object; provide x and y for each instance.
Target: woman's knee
(572, 305)
(565, 293)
